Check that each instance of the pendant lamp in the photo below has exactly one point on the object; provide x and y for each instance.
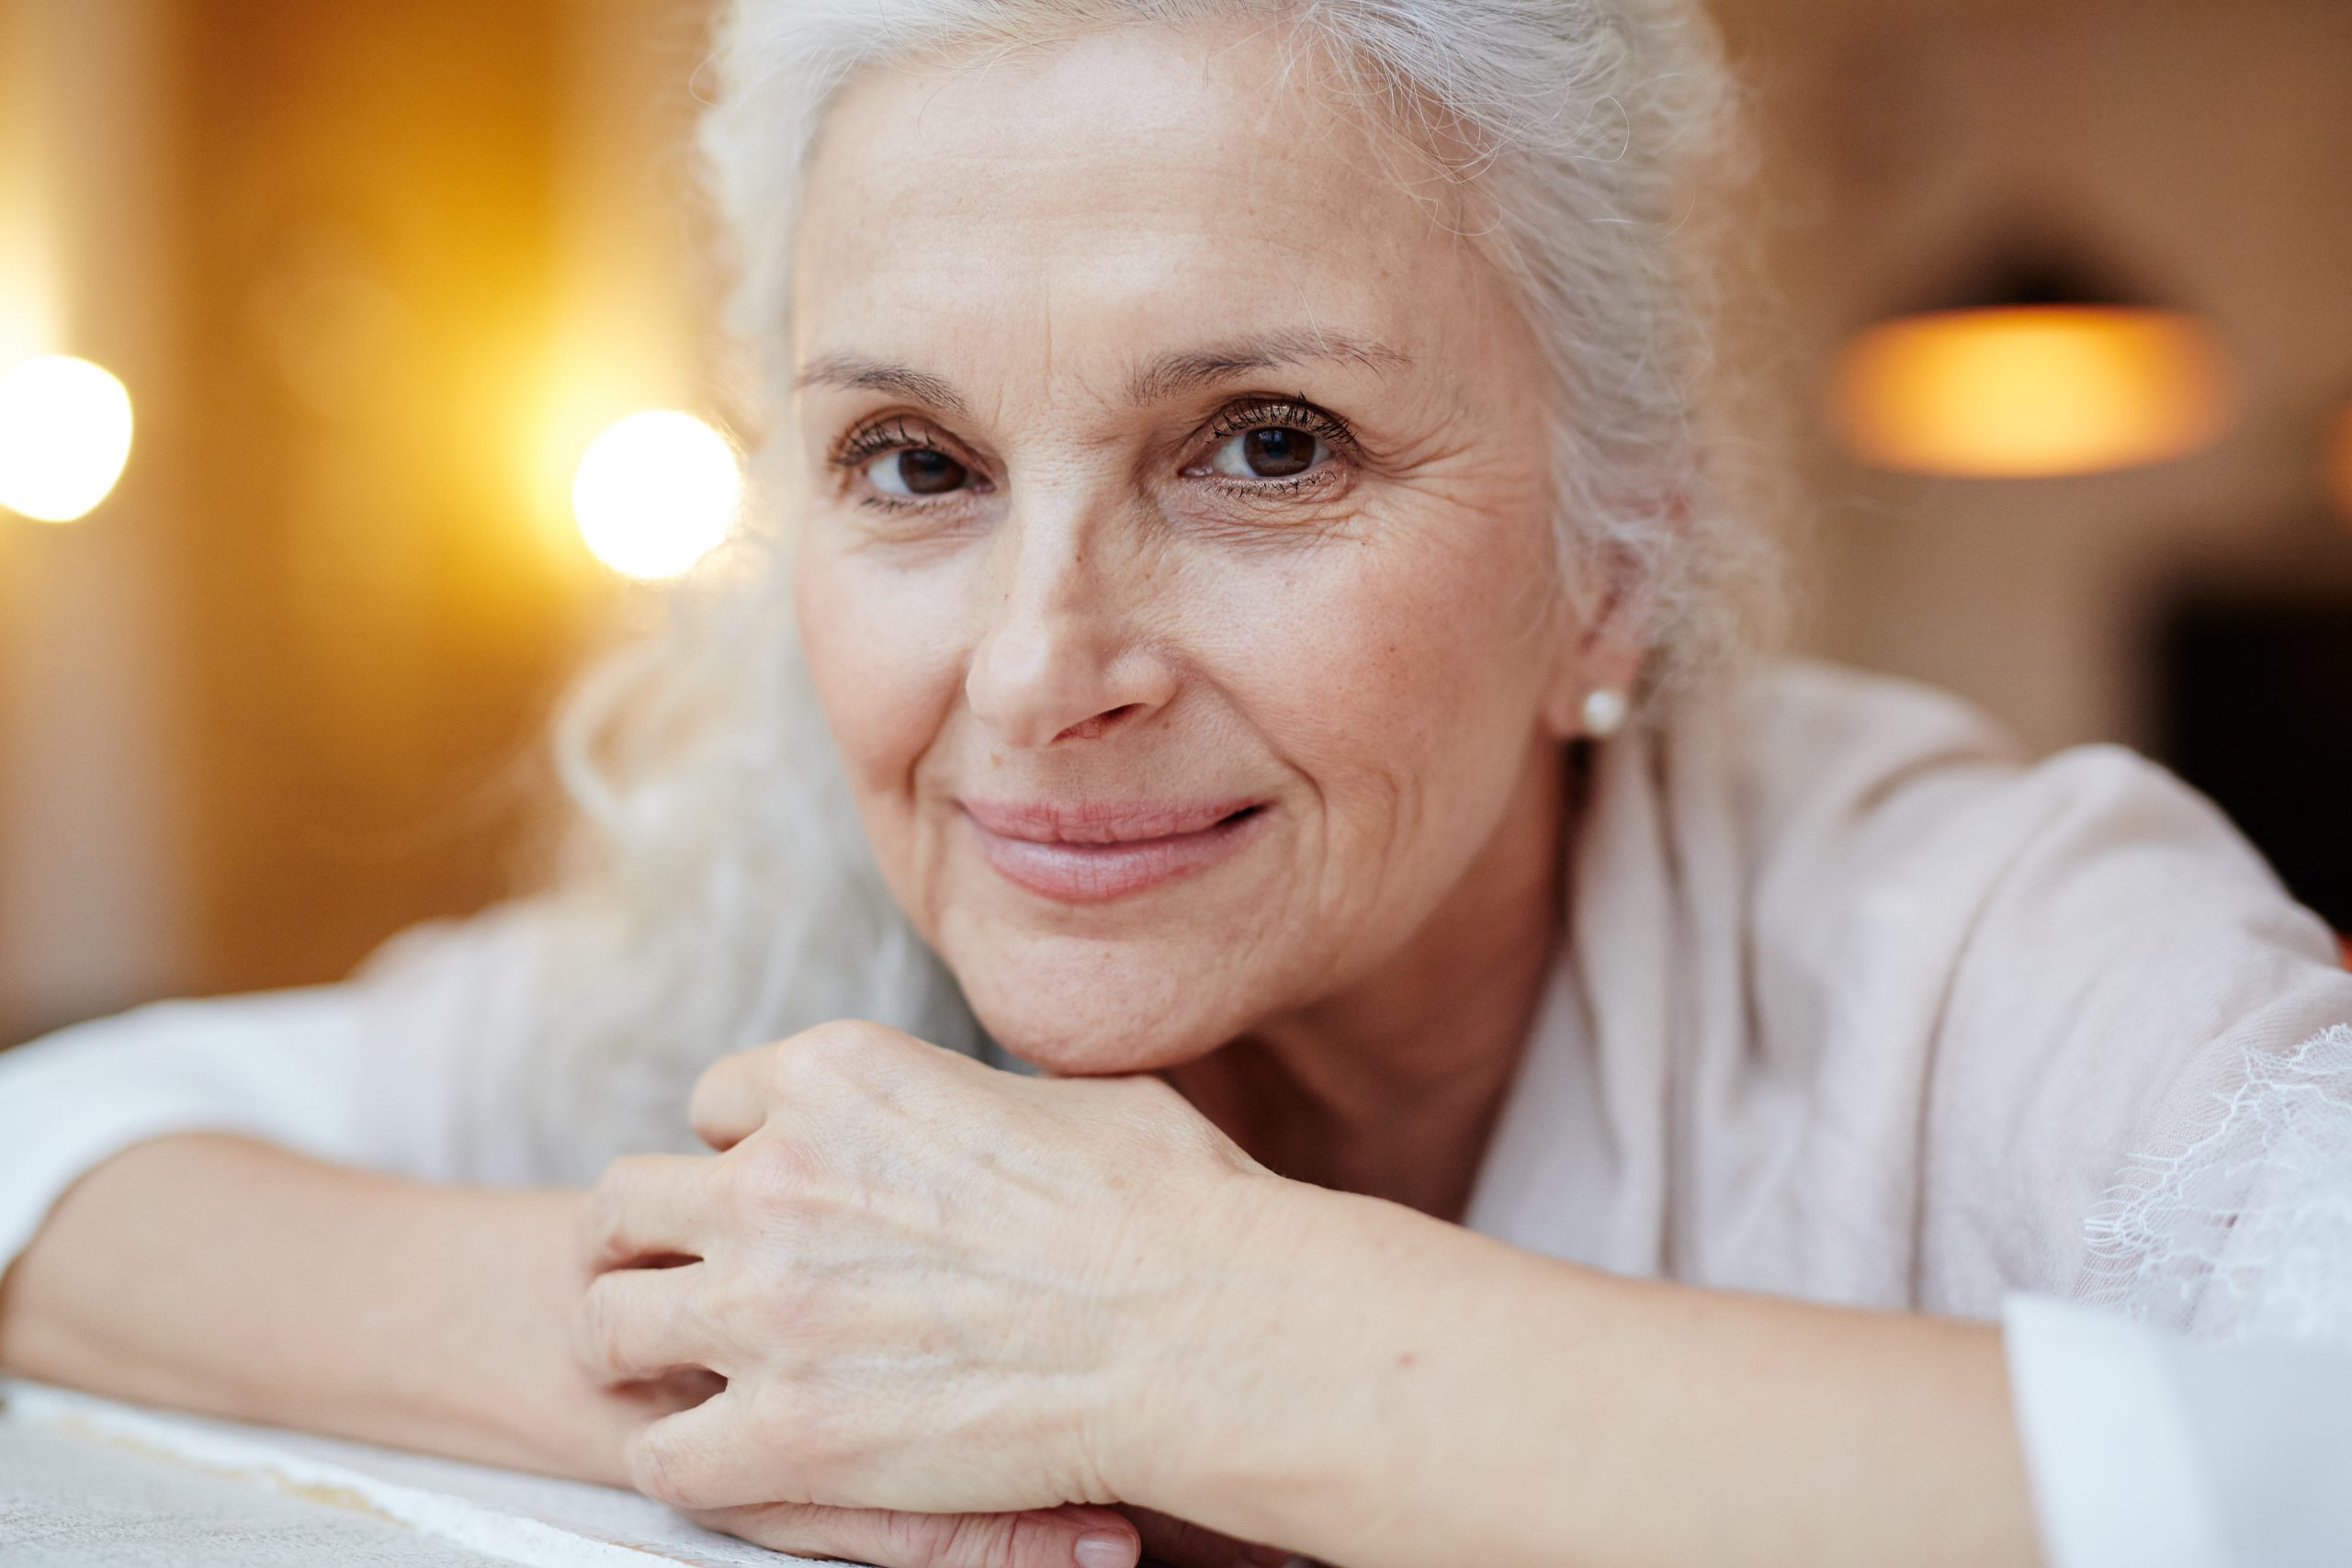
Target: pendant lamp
(2040, 368)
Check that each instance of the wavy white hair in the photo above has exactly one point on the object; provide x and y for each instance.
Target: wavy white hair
(720, 890)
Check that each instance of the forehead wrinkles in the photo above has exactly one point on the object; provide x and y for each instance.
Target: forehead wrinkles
(1035, 225)
(1142, 126)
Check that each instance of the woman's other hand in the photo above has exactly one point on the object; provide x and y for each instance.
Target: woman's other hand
(931, 1287)
(1048, 1538)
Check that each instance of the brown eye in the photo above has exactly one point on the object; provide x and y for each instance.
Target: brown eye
(917, 470)
(1268, 452)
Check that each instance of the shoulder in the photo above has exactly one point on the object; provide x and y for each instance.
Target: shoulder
(1834, 772)
(1826, 711)
(2068, 956)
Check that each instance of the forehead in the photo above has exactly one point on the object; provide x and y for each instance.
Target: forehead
(1127, 190)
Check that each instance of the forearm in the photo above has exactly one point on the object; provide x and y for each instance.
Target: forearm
(225, 1276)
(1416, 1394)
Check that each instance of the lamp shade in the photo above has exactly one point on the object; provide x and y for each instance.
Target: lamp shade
(2041, 377)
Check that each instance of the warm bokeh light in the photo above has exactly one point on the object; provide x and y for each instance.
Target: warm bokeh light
(2032, 391)
(655, 493)
(2339, 462)
(64, 437)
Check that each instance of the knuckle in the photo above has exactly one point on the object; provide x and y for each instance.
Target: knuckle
(832, 1048)
(849, 1047)
(660, 1471)
(1001, 1540)
(766, 1175)
(730, 1294)
(769, 1066)
(923, 1540)
(1027, 1541)
(752, 1305)
(603, 1217)
(595, 1328)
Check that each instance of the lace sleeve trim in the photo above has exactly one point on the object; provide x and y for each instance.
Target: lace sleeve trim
(2246, 1233)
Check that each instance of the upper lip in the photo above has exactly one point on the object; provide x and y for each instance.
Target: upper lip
(1100, 821)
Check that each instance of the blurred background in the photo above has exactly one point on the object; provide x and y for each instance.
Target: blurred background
(402, 309)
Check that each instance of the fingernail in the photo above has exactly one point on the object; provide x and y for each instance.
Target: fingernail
(1106, 1551)
(1267, 1556)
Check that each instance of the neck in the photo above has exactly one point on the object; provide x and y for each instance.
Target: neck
(1391, 1086)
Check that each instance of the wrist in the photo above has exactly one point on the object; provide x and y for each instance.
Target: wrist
(1318, 1376)
(1234, 1341)
(518, 1386)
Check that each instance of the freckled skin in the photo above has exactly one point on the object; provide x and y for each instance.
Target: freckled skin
(1378, 654)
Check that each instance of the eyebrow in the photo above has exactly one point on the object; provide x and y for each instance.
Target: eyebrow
(854, 372)
(1169, 376)
(1173, 374)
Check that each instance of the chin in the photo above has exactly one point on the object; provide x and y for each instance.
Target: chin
(1081, 1012)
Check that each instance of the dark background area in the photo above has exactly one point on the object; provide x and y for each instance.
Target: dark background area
(2258, 720)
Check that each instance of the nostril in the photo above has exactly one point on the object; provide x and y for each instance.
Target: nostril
(1093, 728)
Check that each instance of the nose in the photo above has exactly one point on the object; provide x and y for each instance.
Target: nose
(1060, 656)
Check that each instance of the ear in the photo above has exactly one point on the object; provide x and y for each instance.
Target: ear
(1601, 653)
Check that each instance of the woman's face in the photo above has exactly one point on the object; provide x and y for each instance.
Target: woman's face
(1176, 570)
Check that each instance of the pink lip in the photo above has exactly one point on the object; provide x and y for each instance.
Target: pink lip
(1098, 851)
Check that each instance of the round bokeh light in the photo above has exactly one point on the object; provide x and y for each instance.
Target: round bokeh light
(64, 437)
(656, 492)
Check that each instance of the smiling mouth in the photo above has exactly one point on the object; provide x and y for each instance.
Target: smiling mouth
(1092, 854)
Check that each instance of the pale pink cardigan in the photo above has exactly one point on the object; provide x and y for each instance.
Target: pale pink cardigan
(1859, 1007)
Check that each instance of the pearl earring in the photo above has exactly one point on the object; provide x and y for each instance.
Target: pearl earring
(1604, 713)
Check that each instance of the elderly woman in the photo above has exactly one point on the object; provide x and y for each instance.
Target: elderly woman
(1501, 1083)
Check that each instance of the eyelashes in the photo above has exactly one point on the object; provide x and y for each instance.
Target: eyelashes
(875, 438)
(1284, 413)
(861, 449)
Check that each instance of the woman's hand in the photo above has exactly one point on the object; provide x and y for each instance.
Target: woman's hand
(931, 1287)
(1048, 1537)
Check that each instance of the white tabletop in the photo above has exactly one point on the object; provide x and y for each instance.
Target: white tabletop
(88, 1482)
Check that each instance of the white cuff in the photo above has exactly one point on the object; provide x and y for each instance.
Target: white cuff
(2149, 1450)
(2115, 1465)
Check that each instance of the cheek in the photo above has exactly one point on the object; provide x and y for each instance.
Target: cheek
(884, 661)
(1392, 671)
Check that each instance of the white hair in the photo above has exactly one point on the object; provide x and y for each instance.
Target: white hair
(721, 891)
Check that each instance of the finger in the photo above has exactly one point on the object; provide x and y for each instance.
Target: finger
(704, 1459)
(1044, 1538)
(736, 1093)
(1179, 1543)
(732, 1098)
(631, 1326)
(646, 1208)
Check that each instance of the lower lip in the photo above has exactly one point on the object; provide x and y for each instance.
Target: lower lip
(1095, 873)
